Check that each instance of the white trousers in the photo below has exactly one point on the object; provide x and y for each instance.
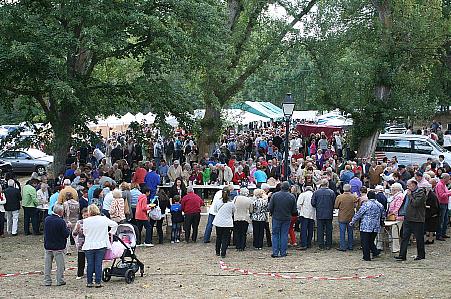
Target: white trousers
(12, 221)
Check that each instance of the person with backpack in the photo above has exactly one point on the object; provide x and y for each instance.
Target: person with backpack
(176, 219)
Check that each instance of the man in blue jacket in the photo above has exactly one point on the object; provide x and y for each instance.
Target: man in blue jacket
(152, 180)
(324, 200)
(55, 237)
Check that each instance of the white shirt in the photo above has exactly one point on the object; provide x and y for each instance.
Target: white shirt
(43, 197)
(224, 214)
(95, 229)
(107, 201)
(304, 205)
(98, 154)
(217, 199)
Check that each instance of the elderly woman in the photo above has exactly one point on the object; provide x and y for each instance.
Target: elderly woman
(259, 216)
(117, 208)
(239, 176)
(95, 229)
(71, 214)
(223, 222)
(243, 205)
(370, 213)
(397, 193)
(432, 212)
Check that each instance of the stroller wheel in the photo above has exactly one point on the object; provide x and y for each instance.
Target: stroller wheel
(106, 275)
(129, 276)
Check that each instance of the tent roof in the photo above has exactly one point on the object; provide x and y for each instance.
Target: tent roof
(264, 109)
(309, 115)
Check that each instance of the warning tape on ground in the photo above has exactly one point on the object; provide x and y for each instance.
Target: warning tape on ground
(224, 267)
(29, 273)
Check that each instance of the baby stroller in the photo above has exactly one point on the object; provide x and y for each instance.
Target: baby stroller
(125, 263)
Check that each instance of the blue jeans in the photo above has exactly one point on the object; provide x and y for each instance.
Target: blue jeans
(306, 231)
(280, 237)
(343, 227)
(146, 224)
(175, 231)
(94, 258)
(443, 220)
(209, 228)
(324, 226)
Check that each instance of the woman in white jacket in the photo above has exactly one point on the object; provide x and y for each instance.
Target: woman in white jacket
(307, 214)
(95, 229)
(224, 223)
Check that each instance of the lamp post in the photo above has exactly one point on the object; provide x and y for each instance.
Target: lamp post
(288, 107)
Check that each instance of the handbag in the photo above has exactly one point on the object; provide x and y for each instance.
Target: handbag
(155, 213)
(391, 217)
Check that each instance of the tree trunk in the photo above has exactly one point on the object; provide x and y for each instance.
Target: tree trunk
(367, 145)
(211, 126)
(61, 143)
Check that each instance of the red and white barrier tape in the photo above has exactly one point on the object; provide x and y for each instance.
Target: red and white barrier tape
(224, 267)
(29, 273)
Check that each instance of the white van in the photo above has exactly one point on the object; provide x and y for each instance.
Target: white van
(409, 149)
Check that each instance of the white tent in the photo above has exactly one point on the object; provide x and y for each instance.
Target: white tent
(128, 118)
(309, 115)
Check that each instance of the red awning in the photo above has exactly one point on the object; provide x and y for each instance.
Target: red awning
(307, 129)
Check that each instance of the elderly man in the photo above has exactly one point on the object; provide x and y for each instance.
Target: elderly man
(323, 200)
(443, 195)
(67, 188)
(55, 237)
(345, 203)
(415, 209)
(191, 207)
(281, 206)
(175, 171)
(12, 207)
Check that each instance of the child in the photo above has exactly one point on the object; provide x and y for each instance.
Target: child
(79, 237)
(177, 219)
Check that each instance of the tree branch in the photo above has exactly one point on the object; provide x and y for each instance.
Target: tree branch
(235, 7)
(252, 20)
(264, 54)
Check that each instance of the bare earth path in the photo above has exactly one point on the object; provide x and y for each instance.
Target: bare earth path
(192, 271)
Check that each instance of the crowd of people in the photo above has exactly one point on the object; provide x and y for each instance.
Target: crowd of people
(119, 181)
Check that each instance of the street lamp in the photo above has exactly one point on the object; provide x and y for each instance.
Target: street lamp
(288, 107)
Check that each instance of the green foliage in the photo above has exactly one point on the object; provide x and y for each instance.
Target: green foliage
(357, 55)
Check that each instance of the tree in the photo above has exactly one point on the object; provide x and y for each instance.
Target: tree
(375, 60)
(250, 36)
(78, 60)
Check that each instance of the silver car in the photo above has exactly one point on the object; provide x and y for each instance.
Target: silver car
(27, 160)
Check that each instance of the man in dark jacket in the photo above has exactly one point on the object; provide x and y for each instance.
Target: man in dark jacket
(324, 200)
(55, 237)
(281, 206)
(12, 207)
(415, 202)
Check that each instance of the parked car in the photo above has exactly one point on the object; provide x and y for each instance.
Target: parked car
(5, 167)
(27, 160)
(409, 149)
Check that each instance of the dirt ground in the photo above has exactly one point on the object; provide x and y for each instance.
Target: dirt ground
(192, 271)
